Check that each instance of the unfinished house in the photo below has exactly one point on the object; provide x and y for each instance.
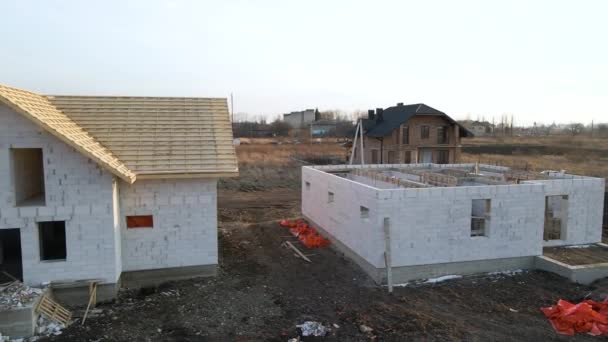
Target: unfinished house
(405, 134)
(118, 189)
(427, 220)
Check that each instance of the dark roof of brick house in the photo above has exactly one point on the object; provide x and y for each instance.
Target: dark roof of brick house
(393, 117)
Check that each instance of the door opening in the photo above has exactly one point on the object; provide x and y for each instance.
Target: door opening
(10, 254)
(426, 156)
(556, 217)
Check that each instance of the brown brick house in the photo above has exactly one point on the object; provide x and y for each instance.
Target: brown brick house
(413, 133)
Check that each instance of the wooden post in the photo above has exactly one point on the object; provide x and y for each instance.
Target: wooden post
(457, 148)
(352, 153)
(387, 255)
(361, 136)
(92, 299)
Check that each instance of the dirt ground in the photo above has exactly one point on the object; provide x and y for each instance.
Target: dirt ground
(262, 291)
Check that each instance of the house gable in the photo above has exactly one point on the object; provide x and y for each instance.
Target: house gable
(77, 191)
(137, 137)
(39, 110)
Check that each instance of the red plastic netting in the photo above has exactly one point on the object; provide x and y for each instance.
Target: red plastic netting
(585, 317)
(305, 233)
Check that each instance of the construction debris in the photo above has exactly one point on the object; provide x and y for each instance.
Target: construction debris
(365, 329)
(305, 233)
(586, 317)
(16, 295)
(46, 327)
(312, 328)
(53, 311)
(298, 254)
(442, 279)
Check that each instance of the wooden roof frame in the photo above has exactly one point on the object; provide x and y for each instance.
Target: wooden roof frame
(44, 113)
(105, 159)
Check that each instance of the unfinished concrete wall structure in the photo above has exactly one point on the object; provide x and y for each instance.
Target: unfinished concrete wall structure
(184, 236)
(94, 205)
(446, 219)
(98, 188)
(77, 192)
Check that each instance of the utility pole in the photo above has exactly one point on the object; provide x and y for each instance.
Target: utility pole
(232, 114)
(511, 124)
(231, 108)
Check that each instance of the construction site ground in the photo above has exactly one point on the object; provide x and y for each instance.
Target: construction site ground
(262, 291)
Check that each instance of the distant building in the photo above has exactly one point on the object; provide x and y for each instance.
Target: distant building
(478, 128)
(321, 128)
(301, 120)
(415, 133)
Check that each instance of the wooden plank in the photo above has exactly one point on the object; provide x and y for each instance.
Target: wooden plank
(92, 299)
(387, 254)
(10, 276)
(295, 249)
(53, 311)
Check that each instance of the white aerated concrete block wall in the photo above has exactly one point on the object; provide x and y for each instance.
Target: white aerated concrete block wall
(78, 191)
(433, 225)
(341, 218)
(185, 223)
(585, 208)
(117, 227)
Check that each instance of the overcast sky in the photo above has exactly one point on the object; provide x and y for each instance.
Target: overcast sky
(540, 61)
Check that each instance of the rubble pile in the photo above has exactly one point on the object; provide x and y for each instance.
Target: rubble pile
(312, 328)
(46, 327)
(16, 295)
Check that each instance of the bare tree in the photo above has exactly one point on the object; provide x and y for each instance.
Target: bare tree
(576, 128)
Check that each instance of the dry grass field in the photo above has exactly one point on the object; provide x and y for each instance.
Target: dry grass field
(578, 155)
(265, 154)
(551, 140)
(266, 165)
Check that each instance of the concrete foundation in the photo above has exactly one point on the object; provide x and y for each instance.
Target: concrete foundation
(408, 273)
(156, 277)
(78, 293)
(19, 322)
(582, 274)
